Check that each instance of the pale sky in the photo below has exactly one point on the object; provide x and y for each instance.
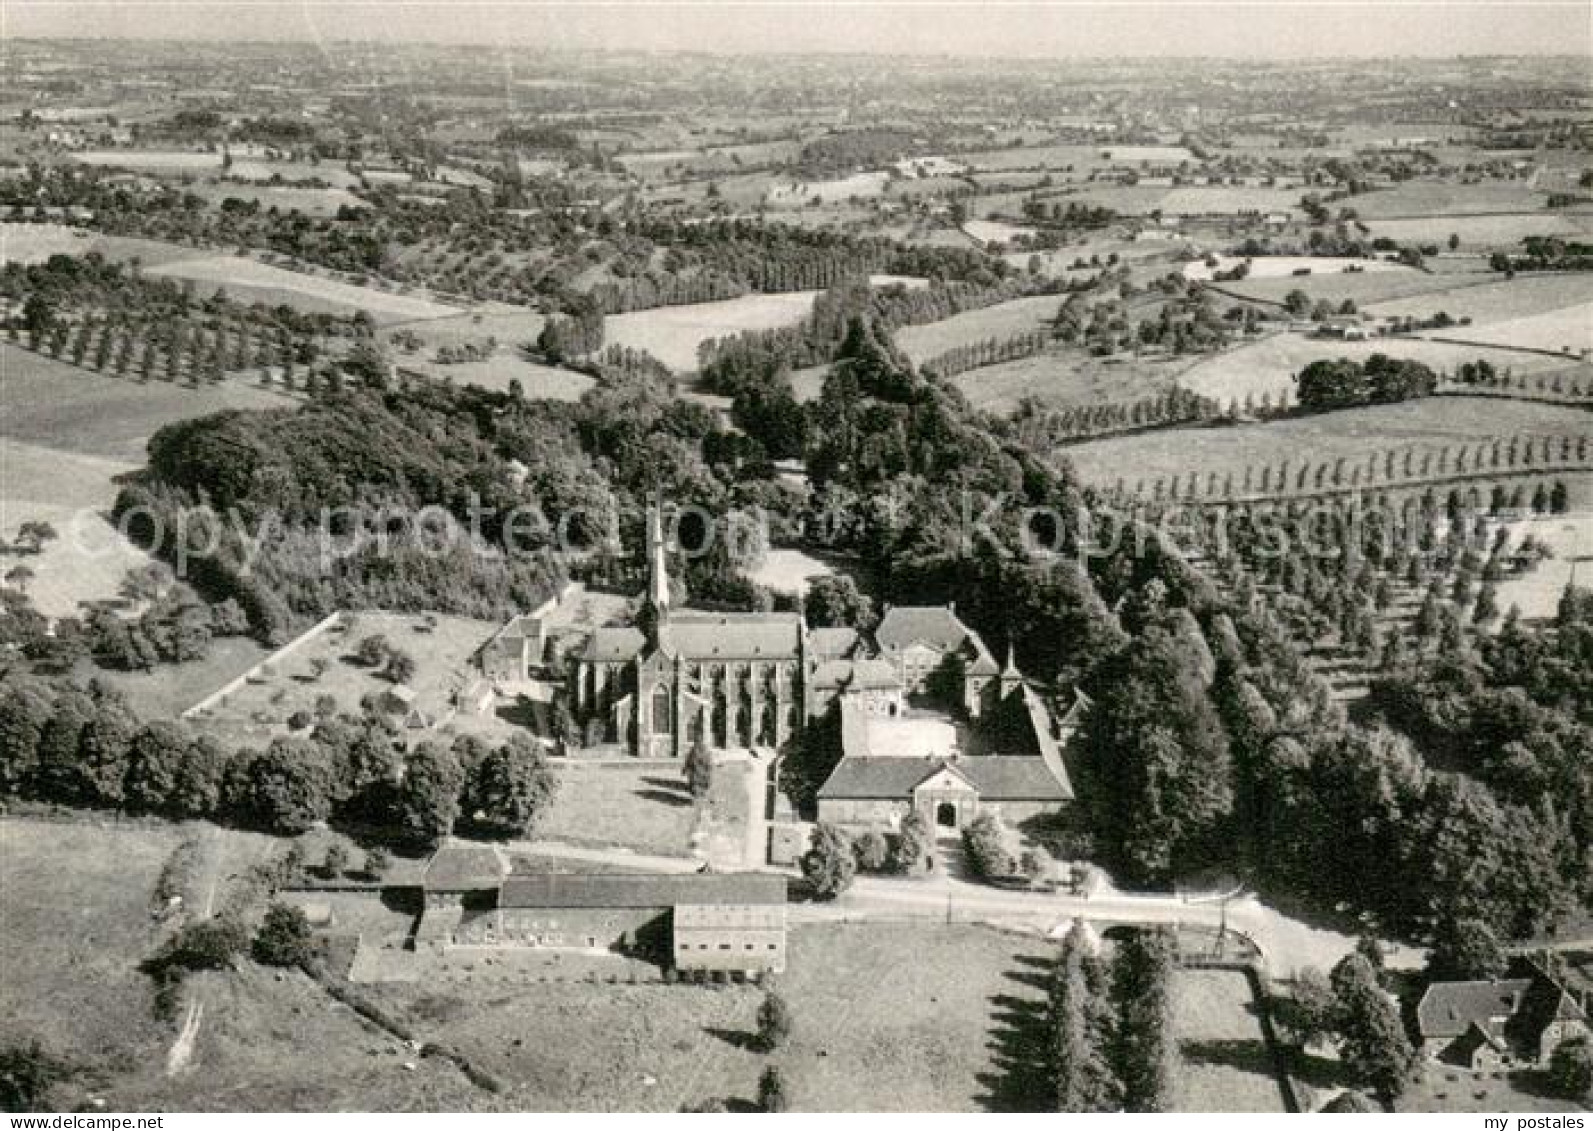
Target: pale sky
(1060, 29)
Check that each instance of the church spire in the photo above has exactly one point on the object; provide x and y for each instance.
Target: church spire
(657, 564)
(1011, 678)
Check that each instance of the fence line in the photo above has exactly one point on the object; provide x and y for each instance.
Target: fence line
(234, 684)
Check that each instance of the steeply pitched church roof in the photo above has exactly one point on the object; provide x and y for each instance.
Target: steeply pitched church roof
(613, 645)
(733, 636)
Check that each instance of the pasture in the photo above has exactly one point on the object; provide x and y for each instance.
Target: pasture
(887, 1018)
(1568, 330)
(1495, 300)
(1001, 321)
(34, 243)
(73, 493)
(61, 406)
(1075, 158)
(1454, 1091)
(511, 327)
(1570, 537)
(1205, 200)
(1069, 378)
(75, 926)
(1545, 312)
(1441, 199)
(1285, 266)
(995, 231)
(505, 366)
(798, 194)
(673, 333)
(318, 202)
(1364, 288)
(1480, 232)
(1424, 425)
(1225, 1064)
(1267, 367)
(253, 281)
(639, 806)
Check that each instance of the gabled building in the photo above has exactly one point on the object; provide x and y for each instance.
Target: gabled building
(700, 921)
(1497, 1024)
(927, 644)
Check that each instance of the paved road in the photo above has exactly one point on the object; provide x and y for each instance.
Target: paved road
(1287, 943)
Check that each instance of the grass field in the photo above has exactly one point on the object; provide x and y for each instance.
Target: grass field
(1285, 266)
(644, 807)
(175, 162)
(995, 231)
(310, 201)
(1364, 288)
(1447, 198)
(61, 406)
(788, 571)
(1484, 232)
(168, 690)
(1570, 536)
(253, 281)
(1423, 424)
(34, 243)
(1569, 330)
(797, 194)
(1226, 1065)
(539, 382)
(673, 333)
(1268, 366)
(1456, 1091)
(65, 434)
(73, 493)
(76, 923)
(887, 1018)
(1206, 199)
(1069, 378)
(1001, 321)
(1079, 157)
(512, 327)
(1497, 299)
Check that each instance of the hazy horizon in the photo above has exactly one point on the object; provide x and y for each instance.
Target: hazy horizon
(1130, 29)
